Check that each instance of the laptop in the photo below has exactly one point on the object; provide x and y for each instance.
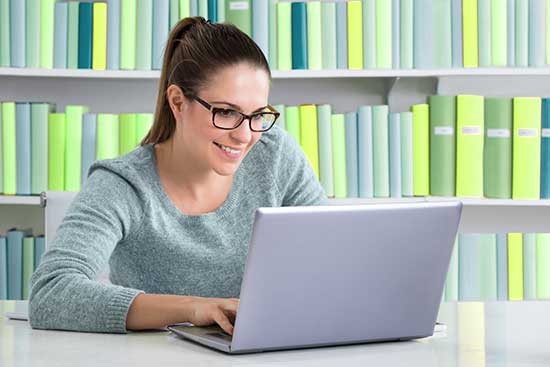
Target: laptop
(335, 275)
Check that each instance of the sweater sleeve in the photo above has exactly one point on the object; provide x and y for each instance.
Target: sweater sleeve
(65, 294)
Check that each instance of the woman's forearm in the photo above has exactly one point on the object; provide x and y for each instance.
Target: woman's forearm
(154, 311)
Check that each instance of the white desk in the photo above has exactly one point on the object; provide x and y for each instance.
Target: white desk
(477, 335)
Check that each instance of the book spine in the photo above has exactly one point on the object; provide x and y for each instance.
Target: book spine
(421, 149)
(32, 33)
(73, 146)
(9, 148)
(309, 135)
(442, 34)
(160, 32)
(352, 181)
(299, 36)
(383, 34)
(442, 145)
(89, 143)
(17, 33)
(28, 265)
(107, 136)
(484, 32)
(60, 35)
(212, 10)
(499, 32)
(458, 56)
(529, 266)
(23, 154)
(355, 35)
(545, 150)
(395, 155)
(272, 35)
(72, 35)
(128, 133)
(515, 267)
(144, 121)
(15, 265)
(39, 147)
(369, 34)
(396, 33)
(543, 265)
(85, 30)
(470, 33)
(39, 249)
(338, 123)
(5, 57)
(314, 36)
(407, 154)
(537, 32)
(292, 116)
(502, 267)
(364, 141)
(260, 25)
(423, 34)
(56, 152)
(3, 269)
(328, 30)
(144, 34)
(380, 140)
(341, 35)
(128, 34)
(469, 259)
(522, 33)
(238, 13)
(113, 33)
(511, 32)
(488, 266)
(99, 36)
(406, 31)
(284, 36)
(326, 173)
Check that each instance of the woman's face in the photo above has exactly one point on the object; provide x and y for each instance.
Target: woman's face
(243, 88)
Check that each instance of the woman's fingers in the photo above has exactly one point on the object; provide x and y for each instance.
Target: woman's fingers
(222, 320)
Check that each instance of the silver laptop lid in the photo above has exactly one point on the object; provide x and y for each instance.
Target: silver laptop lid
(344, 274)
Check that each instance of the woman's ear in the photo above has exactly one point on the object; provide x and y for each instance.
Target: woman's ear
(176, 99)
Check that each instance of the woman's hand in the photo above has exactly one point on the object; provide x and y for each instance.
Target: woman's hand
(207, 311)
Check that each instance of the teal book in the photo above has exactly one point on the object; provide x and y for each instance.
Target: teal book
(502, 267)
(39, 147)
(144, 34)
(364, 142)
(407, 154)
(369, 34)
(451, 282)
(160, 32)
(15, 262)
(537, 31)
(352, 181)
(469, 267)
(113, 33)
(17, 33)
(380, 156)
(39, 249)
(85, 25)
(260, 25)
(23, 148)
(272, 35)
(89, 143)
(529, 266)
(406, 34)
(328, 34)
(3, 268)
(238, 12)
(299, 36)
(324, 129)
(395, 155)
(484, 32)
(442, 145)
(5, 57)
(522, 33)
(341, 35)
(32, 33)
(213, 10)
(72, 35)
(60, 35)
(488, 266)
(545, 150)
(456, 30)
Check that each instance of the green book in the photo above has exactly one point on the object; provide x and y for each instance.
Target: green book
(292, 117)
(488, 266)
(32, 33)
(529, 266)
(47, 11)
(238, 12)
(184, 10)
(72, 36)
(9, 148)
(407, 154)
(469, 33)
(56, 152)
(221, 11)
(314, 36)
(406, 34)
(107, 136)
(144, 121)
(73, 146)
(421, 149)
(515, 267)
(497, 155)
(526, 148)
(543, 265)
(380, 151)
(39, 144)
(469, 145)
(338, 122)
(309, 135)
(499, 33)
(128, 132)
(328, 30)
(355, 35)
(442, 145)
(144, 34)
(326, 174)
(284, 36)
(128, 34)
(28, 264)
(383, 34)
(5, 52)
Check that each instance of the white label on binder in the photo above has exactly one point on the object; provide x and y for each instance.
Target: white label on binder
(471, 130)
(444, 130)
(546, 133)
(498, 133)
(527, 133)
(238, 5)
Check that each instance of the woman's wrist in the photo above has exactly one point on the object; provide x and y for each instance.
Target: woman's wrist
(154, 311)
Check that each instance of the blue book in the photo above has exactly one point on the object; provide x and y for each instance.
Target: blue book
(407, 177)
(395, 155)
(194, 8)
(89, 141)
(488, 266)
(502, 266)
(299, 36)
(260, 25)
(85, 32)
(396, 34)
(537, 32)
(341, 35)
(272, 34)
(423, 31)
(364, 142)
(351, 155)
(32, 33)
(113, 34)
(380, 151)
(23, 148)
(3, 268)
(15, 262)
(39, 249)
(545, 151)
(456, 29)
(161, 14)
(511, 36)
(17, 33)
(484, 32)
(60, 35)
(529, 266)
(469, 273)
(213, 11)
(369, 34)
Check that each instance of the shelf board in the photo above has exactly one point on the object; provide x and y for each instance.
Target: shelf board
(473, 202)
(19, 200)
(278, 74)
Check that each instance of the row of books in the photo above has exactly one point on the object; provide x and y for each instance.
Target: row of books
(20, 255)
(367, 34)
(503, 266)
(44, 150)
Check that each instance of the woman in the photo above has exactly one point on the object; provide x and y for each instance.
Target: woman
(173, 217)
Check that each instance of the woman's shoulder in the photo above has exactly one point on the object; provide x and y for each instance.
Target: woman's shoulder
(276, 143)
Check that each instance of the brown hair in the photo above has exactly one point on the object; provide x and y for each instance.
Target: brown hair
(194, 51)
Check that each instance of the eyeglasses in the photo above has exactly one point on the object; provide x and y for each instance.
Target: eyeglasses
(229, 119)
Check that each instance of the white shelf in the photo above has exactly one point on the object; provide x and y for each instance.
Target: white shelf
(465, 201)
(19, 200)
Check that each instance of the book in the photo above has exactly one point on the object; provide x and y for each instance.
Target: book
(60, 35)
(128, 132)
(178, 11)
(107, 136)
(545, 150)
(442, 145)
(284, 36)
(522, 33)
(160, 32)
(23, 147)
(470, 33)
(469, 145)
(451, 281)
(39, 249)
(128, 34)
(72, 35)
(203, 8)
(144, 122)
(47, 14)
(352, 181)
(515, 267)
(260, 25)
(238, 12)
(526, 148)
(537, 32)
(324, 128)
(89, 143)
(292, 120)
(212, 6)
(221, 11)
(380, 149)
(15, 262)
(85, 34)
(309, 135)
(39, 147)
(73, 146)
(502, 266)
(484, 32)
(456, 30)
(338, 123)
(1, 152)
(365, 159)
(543, 265)
(499, 33)
(314, 35)
(32, 33)
(3, 268)
(469, 262)
(396, 34)
(395, 155)
(407, 154)
(17, 33)
(529, 266)
(5, 57)
(56, 152)
(423, 34)
(488, 266)
(511, 32)
(299, 35)
(144, 34)
(497, 155)
(9, 148)
(272, 35)
(113, 33)
(28, 265)
(341, 35)
(406, 34)
(421, 149)
(194, 8)
(99, 36)
(355, 34)
(383, 34)
(369, 34)
(328, 35)
(442, 34)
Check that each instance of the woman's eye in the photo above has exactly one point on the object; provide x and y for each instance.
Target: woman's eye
(227, 113)
(257, 117)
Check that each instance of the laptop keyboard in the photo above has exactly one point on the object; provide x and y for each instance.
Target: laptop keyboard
(221, 335)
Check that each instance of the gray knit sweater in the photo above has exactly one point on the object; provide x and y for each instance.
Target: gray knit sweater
(123, 217)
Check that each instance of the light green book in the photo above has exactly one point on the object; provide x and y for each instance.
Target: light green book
(203, 8)
(292, 117)
(99, 36)
(515, 267)
(28, 264)
(326, 174)
(9, 148)
(526, 148)
(442, 145)
(355, 34)
(73, 146)
(380, 151)
(39, 144)
(144, 34)
(107, 136)
(488, 266)
(238, 12)
(272, 9)
(174, 13)
(383, 34)
(543, 265)
(442, 37)
(499, 32)
(407, 154)
(529, 266)
(469, 33)
(284, 36)
(309, 135)
(484, 32)
(469, 145)
(56, 152)
(338, 123)
(522, 33)
(128, 34)
(369, 34)
(328, 30)
(5, 53)
(128, 132)
(547, 33)
(451, 282)
(72, 36)
(144, 122)
(314, 35)
(406, 34)
(184, 10)
(47, 11)
(421, 149)
(32, 33)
